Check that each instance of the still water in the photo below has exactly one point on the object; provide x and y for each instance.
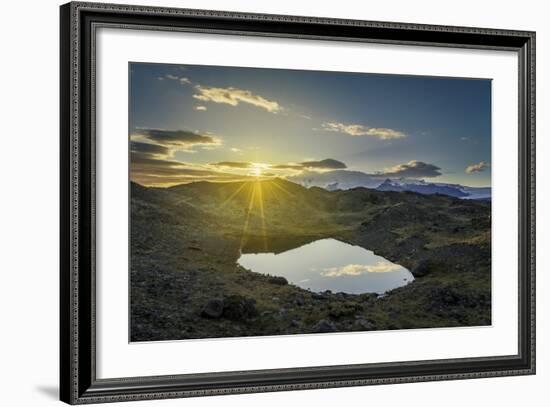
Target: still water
(329, 264)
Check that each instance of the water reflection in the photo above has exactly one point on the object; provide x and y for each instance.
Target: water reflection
(329, 264)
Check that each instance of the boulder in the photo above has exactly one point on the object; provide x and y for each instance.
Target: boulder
(299, 301)
(318, 296)
(213, 308)
(363, 324)
(423, 268)
(324, 326)
(277, 280)
(239, 308)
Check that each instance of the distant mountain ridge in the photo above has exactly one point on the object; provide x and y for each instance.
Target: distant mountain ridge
(345, 179)
(422, 188)
(430, 188)
(337, 179)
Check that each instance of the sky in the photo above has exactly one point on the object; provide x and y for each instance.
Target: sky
(194, 123)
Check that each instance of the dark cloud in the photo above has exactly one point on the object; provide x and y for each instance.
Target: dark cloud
(287, 167)
(329, 163)
(182, 177)
(174, 138)
(152, 151)
(152, 164)
(146, 160)
(233, 164)
(413, 169)
(174, 171)
(146, 170)
(146, 148)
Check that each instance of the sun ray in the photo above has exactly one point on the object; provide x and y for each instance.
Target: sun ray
(259, 190)
(262, 214)
(270, 188)
(247, 218)
(233, 195)
(286, 191)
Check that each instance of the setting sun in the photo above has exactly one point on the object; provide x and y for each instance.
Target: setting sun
(258, 169)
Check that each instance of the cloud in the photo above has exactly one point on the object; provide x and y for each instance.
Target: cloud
(229, 96)
(147, 170)
(384, 133)
(162, 166)
(149, 149)
(479, 167)
(182, 140)
(351, 129)
(181, 79)
(413, 169)
(235, 149)
(358, 130)
(167, 176)
(154, 165)
(234, 96)
(288, 167)
(358, 269)
(233, 164)
(328, 163)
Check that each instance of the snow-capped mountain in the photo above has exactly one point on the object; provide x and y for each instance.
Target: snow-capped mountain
(477, 192)
(429, 188)
(423, 188)
(337, 179)
(345, 179)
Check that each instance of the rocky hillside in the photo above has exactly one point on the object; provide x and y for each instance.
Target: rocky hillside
(185, 242)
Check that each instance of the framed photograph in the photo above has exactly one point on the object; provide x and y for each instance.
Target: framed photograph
(255, 203)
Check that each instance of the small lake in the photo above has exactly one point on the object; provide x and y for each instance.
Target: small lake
(329, 264)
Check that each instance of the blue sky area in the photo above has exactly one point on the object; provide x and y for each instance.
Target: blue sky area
(190, 122)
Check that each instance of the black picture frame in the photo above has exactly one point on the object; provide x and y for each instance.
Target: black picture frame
(78, 382)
